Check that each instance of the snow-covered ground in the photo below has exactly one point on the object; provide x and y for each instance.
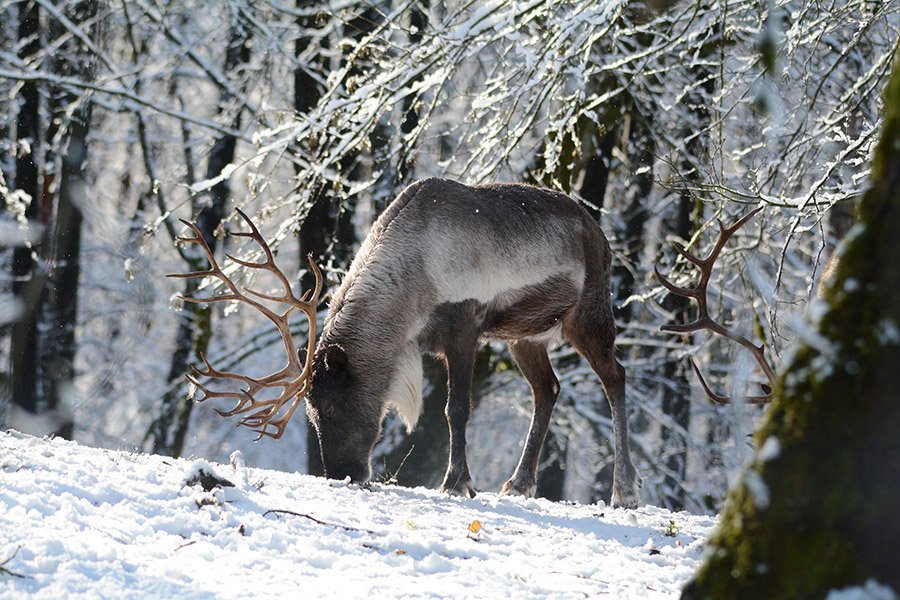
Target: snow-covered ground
(84, 522)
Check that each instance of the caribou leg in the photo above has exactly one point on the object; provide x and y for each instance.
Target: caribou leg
(591, 330)
(452, 333)
(535, 366)
(460, 366)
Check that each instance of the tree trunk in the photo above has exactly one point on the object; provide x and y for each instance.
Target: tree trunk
(168, 430)
(641, 157)
(551, 475)
(816, 509)
(420, 458)
(44, 343)
(407, 162)
(7, 176)
(60, 347)
(7, 104)
(676, 396)
(28, 284)
(676, 393)
(319, 222)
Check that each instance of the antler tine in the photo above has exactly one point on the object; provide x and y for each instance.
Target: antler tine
(718, 399)
(268, 264)
(279, 424)
(677, 290)
(247, 403)
(681, 250)
(261, 420)
(241, 397)
(742, 221)
(198, 238)
(293, 379)
(214, 373)
(705, 321)
(201, 241)
(257, 237)
(254, 230)
(725, 400)
(313, 301)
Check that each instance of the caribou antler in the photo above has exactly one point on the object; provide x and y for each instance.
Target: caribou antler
(293, 379)
(704, 321)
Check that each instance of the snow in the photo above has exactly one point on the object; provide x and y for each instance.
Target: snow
(770, 449)
(36, 424)
(851, 285)
(86, 522)
(887, 333)
(872, 590)
(202, 186)
(757, 487)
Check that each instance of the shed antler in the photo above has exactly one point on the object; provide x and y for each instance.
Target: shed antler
(293, 379)
(704, 321)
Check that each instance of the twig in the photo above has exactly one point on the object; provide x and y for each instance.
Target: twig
(185, 545)
(392, 480)
(276, 511)
(5, 571)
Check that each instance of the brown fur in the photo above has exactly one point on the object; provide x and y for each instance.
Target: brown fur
(445, 266)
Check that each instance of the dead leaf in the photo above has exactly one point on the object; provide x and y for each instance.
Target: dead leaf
(475, 528)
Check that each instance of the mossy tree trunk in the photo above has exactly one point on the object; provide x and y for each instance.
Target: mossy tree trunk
(817, 507)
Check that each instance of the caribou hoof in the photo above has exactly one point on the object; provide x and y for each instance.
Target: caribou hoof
(514, 488)
(627, 494)
(620, 500)
(462, 488)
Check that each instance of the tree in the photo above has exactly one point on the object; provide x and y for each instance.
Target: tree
(47, 277)
(676, 393)
(27, 284)
(70, 123)
(167, 432)
(816, 508)
(319, 224)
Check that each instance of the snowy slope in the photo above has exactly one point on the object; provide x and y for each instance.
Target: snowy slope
(84, 522)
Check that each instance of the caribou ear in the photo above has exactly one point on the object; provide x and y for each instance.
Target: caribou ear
(336, 363)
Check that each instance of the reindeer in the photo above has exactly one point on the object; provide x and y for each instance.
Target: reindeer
(445, 266)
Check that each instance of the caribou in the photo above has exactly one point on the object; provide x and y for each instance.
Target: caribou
(445, 266)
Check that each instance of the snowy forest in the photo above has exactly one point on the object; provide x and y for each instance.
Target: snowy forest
(662, 118)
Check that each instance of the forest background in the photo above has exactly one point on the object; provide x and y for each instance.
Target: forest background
(118, 118)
